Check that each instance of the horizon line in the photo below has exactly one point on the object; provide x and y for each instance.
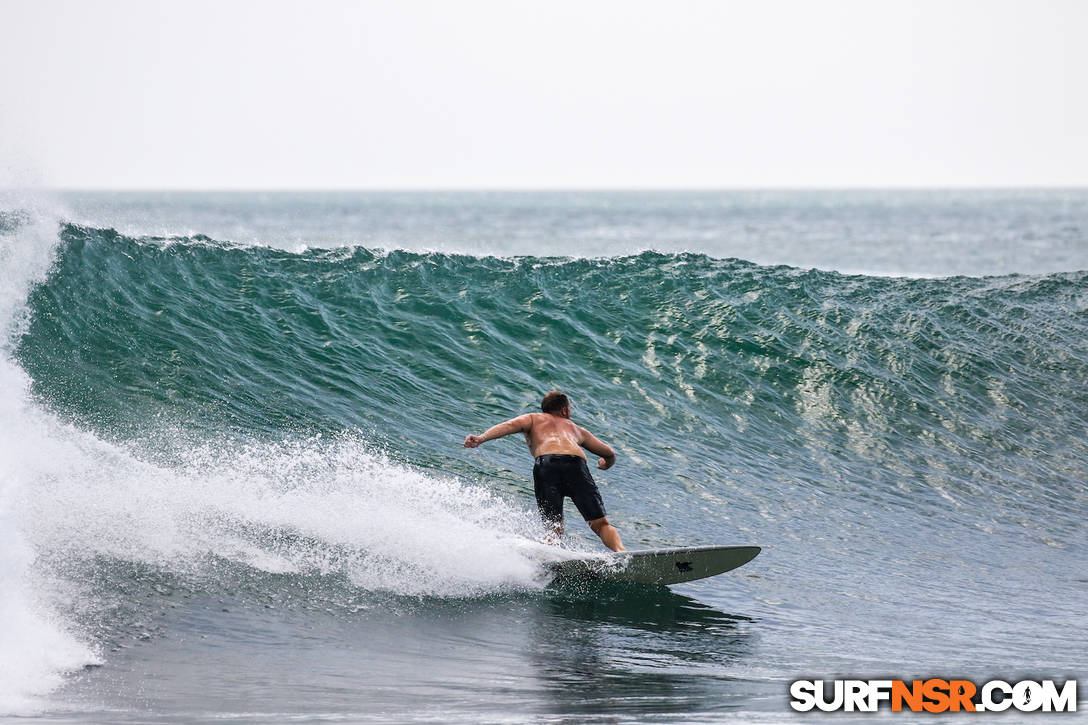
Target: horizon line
(537, 189)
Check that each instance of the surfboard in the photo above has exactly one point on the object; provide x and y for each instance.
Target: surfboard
(654, 566)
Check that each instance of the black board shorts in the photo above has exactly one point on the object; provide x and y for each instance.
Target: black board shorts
(556, 476)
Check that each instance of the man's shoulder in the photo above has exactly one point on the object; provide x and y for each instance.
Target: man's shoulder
(581, 430)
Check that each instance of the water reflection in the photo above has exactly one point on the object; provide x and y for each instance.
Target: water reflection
(600, 649)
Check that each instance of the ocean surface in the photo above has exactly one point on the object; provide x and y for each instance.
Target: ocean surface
(232, 486)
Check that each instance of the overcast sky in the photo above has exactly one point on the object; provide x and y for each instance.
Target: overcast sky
(508, 94)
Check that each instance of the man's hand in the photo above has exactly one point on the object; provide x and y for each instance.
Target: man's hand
(472, 441)
(605, 463)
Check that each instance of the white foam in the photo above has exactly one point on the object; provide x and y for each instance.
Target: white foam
(26, 253)
(36, 647)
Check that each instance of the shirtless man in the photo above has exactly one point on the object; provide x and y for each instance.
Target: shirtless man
(561, 470)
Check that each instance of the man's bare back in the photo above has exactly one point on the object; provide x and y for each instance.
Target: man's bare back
(553, 435)
(549, 433)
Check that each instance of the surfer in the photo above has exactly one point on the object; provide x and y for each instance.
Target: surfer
(560, 470)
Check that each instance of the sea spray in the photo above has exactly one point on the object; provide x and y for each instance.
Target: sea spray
(309, 507)
(36, 646)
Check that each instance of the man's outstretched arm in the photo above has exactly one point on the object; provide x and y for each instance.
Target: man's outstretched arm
(515, 425)
(592, 444)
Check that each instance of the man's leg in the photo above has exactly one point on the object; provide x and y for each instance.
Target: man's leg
(549, 501)
(607, 532)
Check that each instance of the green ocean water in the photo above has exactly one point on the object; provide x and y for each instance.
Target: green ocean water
(250, 491)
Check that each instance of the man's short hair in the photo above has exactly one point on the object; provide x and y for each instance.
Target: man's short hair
(554, 402)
